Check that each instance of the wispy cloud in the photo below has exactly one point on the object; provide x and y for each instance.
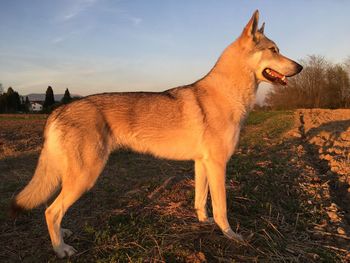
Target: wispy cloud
(76, 8)
(123, 15)
(135, 20)
(72, 11)
(70, 15)
(64, 36)
(57, 40)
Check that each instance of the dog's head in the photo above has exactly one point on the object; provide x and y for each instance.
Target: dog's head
(264, 57)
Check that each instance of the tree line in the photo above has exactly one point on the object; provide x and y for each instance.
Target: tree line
(321, 84)
(12, 102)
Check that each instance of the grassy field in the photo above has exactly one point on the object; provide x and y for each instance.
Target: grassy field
(23, 117)
(141, 209)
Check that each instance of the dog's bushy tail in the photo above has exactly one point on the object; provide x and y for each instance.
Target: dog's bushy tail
(40, 188)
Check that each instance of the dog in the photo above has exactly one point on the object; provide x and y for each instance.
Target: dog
(199, 122)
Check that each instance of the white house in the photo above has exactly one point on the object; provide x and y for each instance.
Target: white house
(35, 106)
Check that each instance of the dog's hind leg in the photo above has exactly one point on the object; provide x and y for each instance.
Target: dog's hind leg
(201, 192)
(74, 184)
(54, 214)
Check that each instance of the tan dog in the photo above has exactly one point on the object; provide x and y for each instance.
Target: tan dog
(199, 122)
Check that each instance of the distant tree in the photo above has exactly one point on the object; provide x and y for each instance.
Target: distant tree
(347, 67)
(10, 101)
(26, 104)
(66, 98)
(347, 64)
(1, 89)
(337, 87)
(14, 101)
(10, 91)
(49, 99)
(3, 103)
(27, 100)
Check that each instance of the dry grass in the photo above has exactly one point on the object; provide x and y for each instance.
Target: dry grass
(141, 209)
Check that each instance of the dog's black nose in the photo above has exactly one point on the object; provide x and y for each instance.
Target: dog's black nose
(299, 67)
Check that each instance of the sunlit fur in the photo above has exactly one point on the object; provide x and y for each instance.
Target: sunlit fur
(199, 122)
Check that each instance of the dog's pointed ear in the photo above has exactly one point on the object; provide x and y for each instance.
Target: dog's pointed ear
(261, 30)
(252, 26)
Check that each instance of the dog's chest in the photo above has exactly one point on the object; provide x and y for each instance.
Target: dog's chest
(230, 137)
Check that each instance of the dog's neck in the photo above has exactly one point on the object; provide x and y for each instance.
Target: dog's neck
(232, 78)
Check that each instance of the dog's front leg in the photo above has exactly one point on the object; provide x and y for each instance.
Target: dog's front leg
(201, 192)
(216, 173)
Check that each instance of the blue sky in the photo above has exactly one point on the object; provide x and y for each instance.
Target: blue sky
(92, 46)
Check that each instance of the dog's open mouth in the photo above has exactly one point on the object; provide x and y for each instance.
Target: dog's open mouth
(274, 76)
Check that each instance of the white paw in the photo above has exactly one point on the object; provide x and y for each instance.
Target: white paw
(65, 250)
(66, 232)
(232, 235)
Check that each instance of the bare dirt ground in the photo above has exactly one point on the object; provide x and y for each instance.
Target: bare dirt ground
(326, 141)
(329, 131)
(287, 191)
(20, 133)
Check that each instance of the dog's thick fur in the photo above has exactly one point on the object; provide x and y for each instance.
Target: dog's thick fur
(199, 122)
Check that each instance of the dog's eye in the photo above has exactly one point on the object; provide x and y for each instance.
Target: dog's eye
(273, 49)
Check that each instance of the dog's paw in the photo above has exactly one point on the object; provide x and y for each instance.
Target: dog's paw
(65, 250)
(234, 236)
(203, 217)
(207, 221)
(66, 232)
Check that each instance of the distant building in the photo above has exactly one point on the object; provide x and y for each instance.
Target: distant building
(36, 106)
